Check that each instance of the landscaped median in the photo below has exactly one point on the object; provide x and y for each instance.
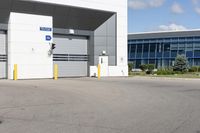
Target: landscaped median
(180, 69)
(185, 75)
(193, 72)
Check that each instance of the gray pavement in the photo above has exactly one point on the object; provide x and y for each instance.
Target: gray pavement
(111, 105)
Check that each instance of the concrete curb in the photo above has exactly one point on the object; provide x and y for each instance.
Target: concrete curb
(166, 78)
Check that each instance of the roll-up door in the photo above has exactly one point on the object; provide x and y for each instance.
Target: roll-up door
(71, 56)
(3, 55)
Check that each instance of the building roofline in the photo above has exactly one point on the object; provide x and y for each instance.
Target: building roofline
(154, 32)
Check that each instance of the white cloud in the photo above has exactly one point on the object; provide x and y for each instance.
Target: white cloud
(172, 27)
(137, 4)
(156, 3)
(196, 4)
(143, 4)
(197, 9)
(177, 8)
(195, 1)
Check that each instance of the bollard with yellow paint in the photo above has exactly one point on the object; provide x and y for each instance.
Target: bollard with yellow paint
(15, 71)
(55, 72)
(99, 71)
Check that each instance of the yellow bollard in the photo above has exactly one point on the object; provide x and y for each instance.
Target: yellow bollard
(55, 72)
(15, 71)
(99, 71)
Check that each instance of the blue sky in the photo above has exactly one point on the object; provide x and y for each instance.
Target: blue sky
(163, 15)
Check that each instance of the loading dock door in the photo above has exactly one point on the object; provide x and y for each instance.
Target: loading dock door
(3, 55)
(71, 56)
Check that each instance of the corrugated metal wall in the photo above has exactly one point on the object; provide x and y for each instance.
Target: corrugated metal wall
(3, 56)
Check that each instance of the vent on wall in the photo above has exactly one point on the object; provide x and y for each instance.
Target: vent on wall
(70, 57)
(3, 58)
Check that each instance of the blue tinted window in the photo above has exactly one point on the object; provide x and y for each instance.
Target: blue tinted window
(197, 53)
(152, 61)
(166, 50)
(189, 38)
(145, 50)
(152, 50)
(167, 40)
(166, 62)
(158, 63)
(181, 52)
(174, 39)
(190, 61)
(197, 46)
(145, 61)
(196, 38)
(139, 51)
(146, 41)
(132, 51)
(189, 54)
(189, 45)
(174, 53)
(197, 62)
(138, 63)
(182, 39)
(152, 40)
(174, 46)
(181, 46)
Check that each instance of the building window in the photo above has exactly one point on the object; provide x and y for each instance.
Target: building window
(138, 63)
(197, 62)
(197, 46)
(163, 51)
(189, 38)
(174, 53)
(152, 61)
(159, 49)
(197, 53)
(174, 46)
(132, 51)
(139, 51)
(145, 50)
(167, 50)
(152, 50)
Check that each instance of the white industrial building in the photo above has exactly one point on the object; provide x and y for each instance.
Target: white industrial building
(81, 30)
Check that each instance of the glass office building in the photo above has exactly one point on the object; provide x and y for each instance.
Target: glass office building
(161, 48)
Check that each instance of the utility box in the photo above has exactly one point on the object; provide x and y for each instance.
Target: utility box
(103, 61)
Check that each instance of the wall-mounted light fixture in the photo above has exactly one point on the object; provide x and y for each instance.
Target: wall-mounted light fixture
(103, 52)
(71, 31)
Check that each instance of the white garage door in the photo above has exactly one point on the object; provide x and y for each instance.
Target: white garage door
(71, 56)
(3, 56)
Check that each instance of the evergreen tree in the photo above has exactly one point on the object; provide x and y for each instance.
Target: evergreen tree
(181, 63)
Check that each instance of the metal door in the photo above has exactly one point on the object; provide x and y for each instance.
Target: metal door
(3, 55)
(71, 56)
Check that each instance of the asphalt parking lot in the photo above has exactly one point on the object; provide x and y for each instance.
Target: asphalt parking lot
(111, 105)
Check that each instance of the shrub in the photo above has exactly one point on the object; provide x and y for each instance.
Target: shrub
(150, 68)
(130, 67)
(194, 69)
(143, 67)
(165, 71)
(179, 72)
